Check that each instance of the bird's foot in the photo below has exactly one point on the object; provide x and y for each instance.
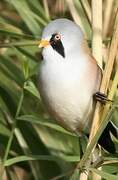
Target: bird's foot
(101, 97)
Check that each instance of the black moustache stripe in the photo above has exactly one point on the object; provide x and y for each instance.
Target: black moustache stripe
(57, 46)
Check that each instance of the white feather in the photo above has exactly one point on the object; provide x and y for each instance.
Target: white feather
(67, 84)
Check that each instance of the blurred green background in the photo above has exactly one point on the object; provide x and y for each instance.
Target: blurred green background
(37, 137)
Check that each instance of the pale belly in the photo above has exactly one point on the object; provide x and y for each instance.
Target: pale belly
(70, 102)
(70, 111)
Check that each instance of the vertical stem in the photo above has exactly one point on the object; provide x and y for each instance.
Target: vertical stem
(97, 53)
(97, 50)
(75, 15)
(13, 128)
(111, 58)
(107, 16)
(104, 86)
(12, 132)
(45, 3)
(97, 30)
(86, 6)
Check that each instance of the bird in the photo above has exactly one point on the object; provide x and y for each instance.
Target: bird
(69, 76)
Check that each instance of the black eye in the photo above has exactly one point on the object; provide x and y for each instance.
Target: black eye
(57, 37)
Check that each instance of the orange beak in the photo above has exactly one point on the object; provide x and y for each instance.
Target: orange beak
(43, 43)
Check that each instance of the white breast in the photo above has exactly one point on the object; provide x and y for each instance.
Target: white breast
(67, 88)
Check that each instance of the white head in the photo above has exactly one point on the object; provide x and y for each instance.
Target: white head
(60, 38)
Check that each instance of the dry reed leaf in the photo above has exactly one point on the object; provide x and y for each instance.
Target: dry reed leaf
(108, 7)
(106, 78)
(111, 19)
(97, 51)
(97, 31)
(46, 7)
(75, 15)
(87, 9)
